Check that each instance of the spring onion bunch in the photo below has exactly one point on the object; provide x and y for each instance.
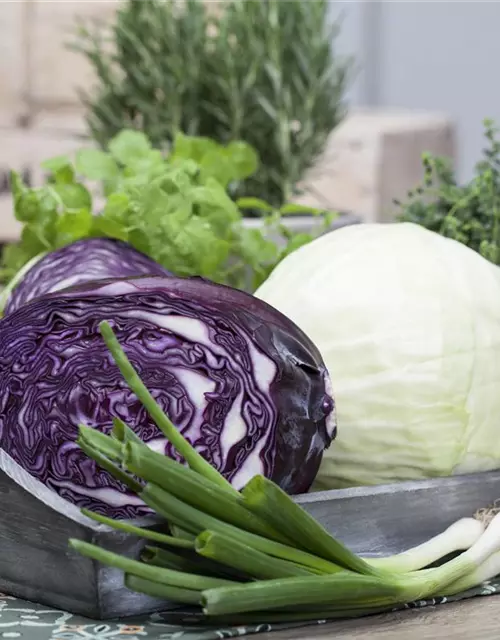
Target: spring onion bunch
(255, 555)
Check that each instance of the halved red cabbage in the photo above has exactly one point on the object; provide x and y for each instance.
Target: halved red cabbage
(243, 383)
(81, 261)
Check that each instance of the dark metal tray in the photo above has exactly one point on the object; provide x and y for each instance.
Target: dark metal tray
(35, 524)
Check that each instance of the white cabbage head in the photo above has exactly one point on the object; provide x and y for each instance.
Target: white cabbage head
(408, 323)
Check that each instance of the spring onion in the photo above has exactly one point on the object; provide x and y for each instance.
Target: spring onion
(163, 558)
(182, 534)
(266, 499)
(190, 488)
(100, 441)
(148, 572)
(107, 464)
(193, 458)
(253, 563)
(458, 537)
(196, 521)
(484, 560)
(489, 569)
(166, 592)
(339, 589)
(142, 532)
(123, 433)
(351, 590)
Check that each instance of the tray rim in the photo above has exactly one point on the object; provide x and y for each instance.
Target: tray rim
(398, 487)
(62, 506)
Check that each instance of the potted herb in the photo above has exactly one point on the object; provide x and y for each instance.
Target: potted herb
(470, 212)
(175, 207)
(262, 72)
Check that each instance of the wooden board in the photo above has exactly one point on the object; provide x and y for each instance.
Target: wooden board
(467, 620)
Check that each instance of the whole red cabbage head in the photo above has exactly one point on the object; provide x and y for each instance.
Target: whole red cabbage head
(245, 385)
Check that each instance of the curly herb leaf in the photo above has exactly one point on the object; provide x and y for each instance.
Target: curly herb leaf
(468, 213)
(175, 207)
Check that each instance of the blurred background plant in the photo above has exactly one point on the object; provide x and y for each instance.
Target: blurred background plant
(172, 206)
(264, 72)
(468, 212)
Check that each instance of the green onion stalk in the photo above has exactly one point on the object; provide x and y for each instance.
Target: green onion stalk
(256, 555)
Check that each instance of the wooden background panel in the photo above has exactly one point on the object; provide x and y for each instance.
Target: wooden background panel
(55, 72)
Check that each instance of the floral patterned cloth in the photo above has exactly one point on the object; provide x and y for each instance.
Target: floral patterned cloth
(21, 620)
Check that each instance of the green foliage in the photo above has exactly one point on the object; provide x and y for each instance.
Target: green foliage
(174, 207)
(469, 213)
(261, 71)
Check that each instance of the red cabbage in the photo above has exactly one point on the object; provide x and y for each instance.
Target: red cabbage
(243, 383)
(81, 261)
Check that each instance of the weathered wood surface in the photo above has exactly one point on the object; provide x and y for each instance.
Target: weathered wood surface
(35, 525)
(36, 563)
(477, 619)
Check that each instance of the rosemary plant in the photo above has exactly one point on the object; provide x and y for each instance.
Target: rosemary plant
(263, 71)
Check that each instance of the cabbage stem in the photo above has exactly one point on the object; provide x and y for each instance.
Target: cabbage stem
(196, 521)
(460, 536)
(271, 503)
(140, 532)
(157, 590)
(134, 382)
(146, 571)
(190, 488)
(244, 558)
